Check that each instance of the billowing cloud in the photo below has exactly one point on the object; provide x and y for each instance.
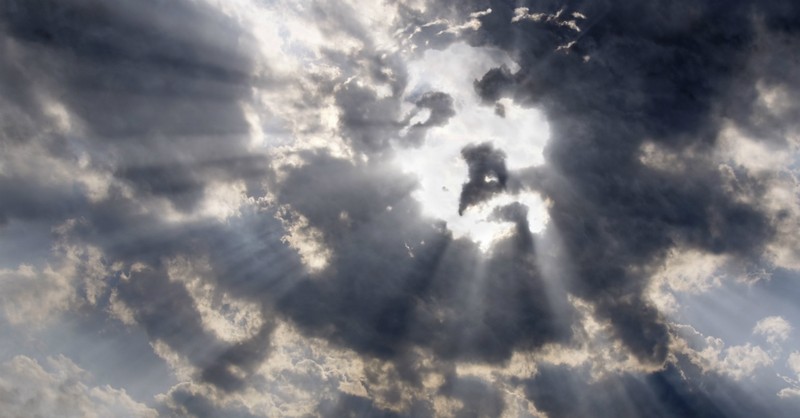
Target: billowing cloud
(774, 328)
(399, 208)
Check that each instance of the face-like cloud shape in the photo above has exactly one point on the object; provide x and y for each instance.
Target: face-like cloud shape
(399, 208)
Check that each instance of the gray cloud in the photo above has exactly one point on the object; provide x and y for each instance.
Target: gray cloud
(440, 106)
(134, 124)
(642, 79)
(155, 96)
(353, 406)
(487, 174)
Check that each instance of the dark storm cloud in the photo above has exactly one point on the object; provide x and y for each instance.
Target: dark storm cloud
(156, 92)
(156, 88)
(247, 257)
(183, 402)
(668, 72)
(350, 406)
(421, 295)
(478, 398)
(368, 121)
(167, 313)
(171, 318)
(110, 63)
(35, 200)
(487, 174)
(441, 106)
(441, 109)
(496, 83)
(563, 392)
(500, 110)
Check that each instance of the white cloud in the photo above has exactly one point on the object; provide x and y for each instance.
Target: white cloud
(774, 328)
(32, 296)
(60, 389)
(523, 14)
(794, 365)
(790, 392)
(710, 353)
(75, 274)
(307, 240)
(778, 196)
(472, 24)
(741, 361)
(794, 362)
(685, 271)
(757, 156)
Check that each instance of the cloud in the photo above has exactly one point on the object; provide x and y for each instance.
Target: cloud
(163, 96)
(487, 174)
(794, 365)
(61, 388)
(559, 391)
(185, 400)
(618, 216)
(25, 290)
(711, 354)
(33, 296)
(247, 188)
(440, 109)
(774, 328)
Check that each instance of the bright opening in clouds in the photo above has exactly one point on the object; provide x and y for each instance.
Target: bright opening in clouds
(437, 162)
(401, 208)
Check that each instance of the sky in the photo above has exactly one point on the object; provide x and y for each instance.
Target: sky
(407, 208)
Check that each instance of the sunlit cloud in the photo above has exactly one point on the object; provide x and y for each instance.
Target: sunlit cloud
(399, 208)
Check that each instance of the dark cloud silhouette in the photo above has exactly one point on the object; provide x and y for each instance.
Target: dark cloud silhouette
(351, 406)
(478, 398)
(487, 174)
(561, 392)
(172, 318)
(635, 73)
(440, 106)
(420, 297)
(495, 84)
(500, 110)
(156, 94)
(369, 121)
(183, 402)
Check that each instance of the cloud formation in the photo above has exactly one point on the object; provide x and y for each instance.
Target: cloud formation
(27, 389)
(245, 188)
